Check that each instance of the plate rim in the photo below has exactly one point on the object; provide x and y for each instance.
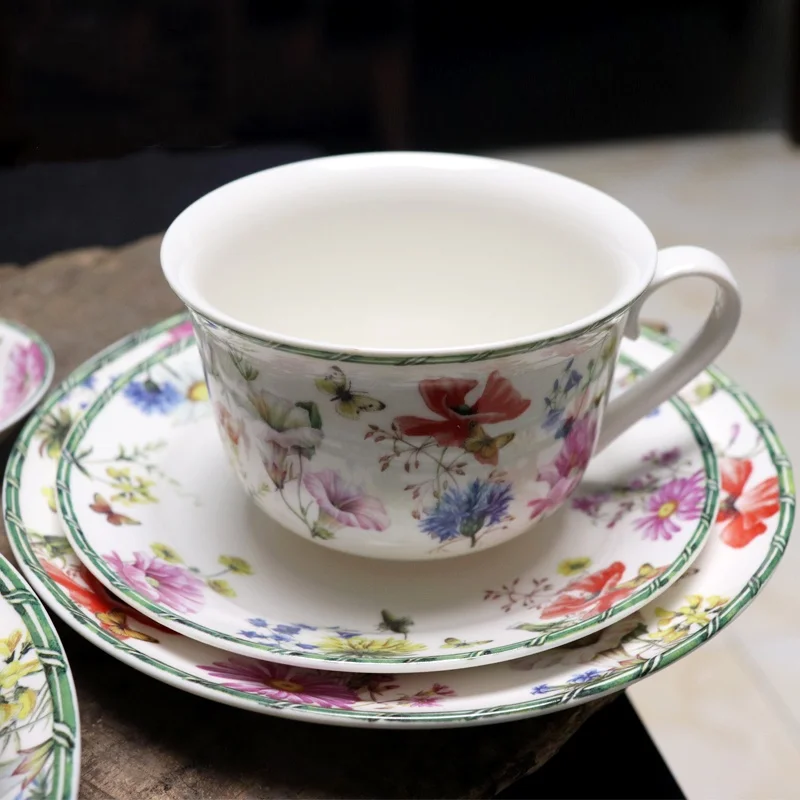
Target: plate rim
(466, 658)
(66, 735)
(75, 617)
(47, 379)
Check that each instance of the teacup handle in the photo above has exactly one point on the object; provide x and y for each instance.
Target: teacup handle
(692, 358)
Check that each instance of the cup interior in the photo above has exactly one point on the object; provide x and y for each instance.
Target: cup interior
(407, 253)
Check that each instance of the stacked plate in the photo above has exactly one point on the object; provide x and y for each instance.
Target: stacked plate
(127, 520)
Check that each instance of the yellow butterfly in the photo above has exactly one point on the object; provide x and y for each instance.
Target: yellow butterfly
(483, 446)
(349, 404)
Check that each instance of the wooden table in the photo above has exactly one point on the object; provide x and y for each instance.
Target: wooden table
(144, 739)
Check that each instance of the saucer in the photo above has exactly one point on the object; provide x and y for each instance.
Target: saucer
(39, 729)
(26, 370)
(155, 512)
(744, 548)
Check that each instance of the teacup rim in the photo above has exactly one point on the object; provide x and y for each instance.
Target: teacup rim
(200, 307)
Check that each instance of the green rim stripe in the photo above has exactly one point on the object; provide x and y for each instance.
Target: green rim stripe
(638, 598)
(412, 360)
(57, 674)
(89, 628)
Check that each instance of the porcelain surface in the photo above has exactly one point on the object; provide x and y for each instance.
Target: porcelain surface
(723, 580)
(407, 407)
(152, 510)
(39, 727)
(26, 370)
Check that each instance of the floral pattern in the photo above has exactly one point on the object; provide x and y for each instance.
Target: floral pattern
(679, 499)
(169, 584)
(118, 497)
(460, 422)
(745, 507)
(583, 596)
(25, 370)
(665, 500)
(468, 511)
(616, 655)
(162, 578)
(37, 702)
(446, 442)
(322, 689)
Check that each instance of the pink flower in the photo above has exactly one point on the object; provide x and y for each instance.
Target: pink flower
(283, 682)
(171, 585)
(680, 499)
(576, 451)
(342, 504)
(179, 333)
(557, 494)
(564, 473)
(24, 372)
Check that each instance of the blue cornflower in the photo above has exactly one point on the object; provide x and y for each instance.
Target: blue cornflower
(257, 622)
(542, 688)
(288, 630)
(151, 397)
(343, 634)
(252, 635)
(465, 512)
(572, 381)
(553, 417)
(584, 677)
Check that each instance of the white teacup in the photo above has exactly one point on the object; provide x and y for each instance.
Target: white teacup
(409, 354)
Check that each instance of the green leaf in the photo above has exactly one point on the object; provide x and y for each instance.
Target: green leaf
(315, 418)
(318, 532)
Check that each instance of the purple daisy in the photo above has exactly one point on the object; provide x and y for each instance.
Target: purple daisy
(681, 499)
(283, 682)
(171, 585)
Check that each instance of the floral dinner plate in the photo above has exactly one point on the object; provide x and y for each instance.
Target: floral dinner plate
(744, 548)
(154, 510)
(26, 370)
(39, 730)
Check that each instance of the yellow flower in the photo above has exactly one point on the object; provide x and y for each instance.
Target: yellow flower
(9, 645)
(130, 490)
(20, 709)
(49, 494)
(363, 646)
(235, 564)
(197, 392)
(572, 566)
(221, 587)
(676, 625)
(166, 553)
(14, 671)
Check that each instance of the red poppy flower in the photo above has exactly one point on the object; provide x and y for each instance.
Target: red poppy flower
(447, 397)
(95, 598)
(743, 511)
(591, 594)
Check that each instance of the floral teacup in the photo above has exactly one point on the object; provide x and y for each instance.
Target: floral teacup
(409, 354)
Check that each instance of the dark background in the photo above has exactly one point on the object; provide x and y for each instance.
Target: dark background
(85, 79)
(115, 115)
